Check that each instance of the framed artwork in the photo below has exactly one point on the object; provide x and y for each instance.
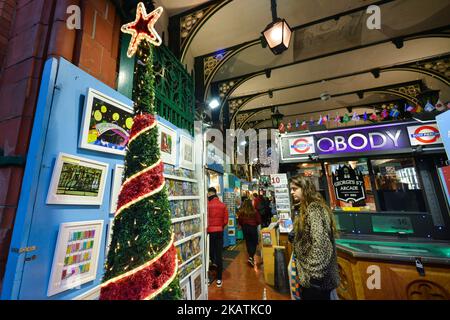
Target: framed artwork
(167, 144)
(187, 160)
(231, 232)
(77, 181)
(116, 184)
(186, 290)
(231, 222)
(109, 236)
(76, 255)
(197, 280)
(106, 124)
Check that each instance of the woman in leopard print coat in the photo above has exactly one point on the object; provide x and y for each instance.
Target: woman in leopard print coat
(314, 245)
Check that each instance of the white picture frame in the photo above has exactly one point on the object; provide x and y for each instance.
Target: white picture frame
(187, 154)
(198, 285)
(107, 117)
(167, 141)
(68, 175)
(186, 290)
(76, 256)
(115, 188)
(109, 236)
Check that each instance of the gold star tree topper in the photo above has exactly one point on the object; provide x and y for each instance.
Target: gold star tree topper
(143, 28)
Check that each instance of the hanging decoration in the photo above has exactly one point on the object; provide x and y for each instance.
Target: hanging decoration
(337, 119)
(311, 122)
(289, 126)
(356, 116)
(320, 120)
(304, 125)
(394, 113)
(365, 117)
(346, 118)
(282, 128)
(297, 123)
(374, 116)
(142, 263)
(429, 107)
(440, 106)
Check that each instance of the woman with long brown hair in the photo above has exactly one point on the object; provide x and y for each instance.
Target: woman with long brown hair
(249, 219)
(314, 241)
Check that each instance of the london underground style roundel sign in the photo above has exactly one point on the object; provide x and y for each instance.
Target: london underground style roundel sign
(301, 146)
(424, 135)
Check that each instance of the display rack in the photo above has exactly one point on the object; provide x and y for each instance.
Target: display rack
(187, 221)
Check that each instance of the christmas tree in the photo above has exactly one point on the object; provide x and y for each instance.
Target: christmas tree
(142, 261)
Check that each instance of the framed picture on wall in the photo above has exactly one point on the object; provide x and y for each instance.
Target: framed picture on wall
(231, 222)
(106, 124)
(187, 153)
(186, 290)
(77, 181)
(76, 255)
(197, 280)
(109, 236)
(116, 184)
(167, 144)
(232, 232)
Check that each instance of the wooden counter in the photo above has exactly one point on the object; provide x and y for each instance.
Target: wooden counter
(360, 261)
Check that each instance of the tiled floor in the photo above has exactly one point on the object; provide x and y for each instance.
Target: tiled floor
(243, 282)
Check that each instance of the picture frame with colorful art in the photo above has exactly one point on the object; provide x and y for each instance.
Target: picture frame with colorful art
(197, 285)
(186, 290)
(77, 181)
(116, 185)
(232, 232)
(76, 256)
(167, 140)
(106, 124)
(187, 155)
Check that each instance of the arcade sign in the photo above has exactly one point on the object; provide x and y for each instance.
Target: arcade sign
(348, 185)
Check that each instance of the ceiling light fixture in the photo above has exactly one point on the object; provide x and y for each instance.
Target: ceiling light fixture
(276, 117)
(214, 103)
(278, 33)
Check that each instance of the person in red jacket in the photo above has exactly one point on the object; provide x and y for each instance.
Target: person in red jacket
(217, 220)
(249, 219)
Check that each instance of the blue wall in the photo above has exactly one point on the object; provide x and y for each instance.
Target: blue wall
(56, 129)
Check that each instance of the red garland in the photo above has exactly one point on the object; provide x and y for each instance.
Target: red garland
(144, 282)
(141, 185)
(140, 122)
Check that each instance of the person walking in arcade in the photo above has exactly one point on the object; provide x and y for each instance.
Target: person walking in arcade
(249, 219)
(313, 240)
(217, 220)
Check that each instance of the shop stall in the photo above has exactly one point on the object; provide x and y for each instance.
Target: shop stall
(71, 184)
(384, 187)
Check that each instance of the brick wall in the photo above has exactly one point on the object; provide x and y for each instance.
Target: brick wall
(38, 31)
(7, 8)
(100, 41)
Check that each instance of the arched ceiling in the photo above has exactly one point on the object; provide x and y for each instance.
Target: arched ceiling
(332, 50)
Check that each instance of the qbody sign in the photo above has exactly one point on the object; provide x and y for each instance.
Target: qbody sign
(376, 138)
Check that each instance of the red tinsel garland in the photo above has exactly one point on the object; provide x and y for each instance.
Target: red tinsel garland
(141, 185)
(140, 123)
(143, 283)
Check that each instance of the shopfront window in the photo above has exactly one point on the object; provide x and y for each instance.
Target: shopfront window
(397, 185)
(315, 173)
(349, 186)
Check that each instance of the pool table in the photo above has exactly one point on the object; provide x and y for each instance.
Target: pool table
(362, 260)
